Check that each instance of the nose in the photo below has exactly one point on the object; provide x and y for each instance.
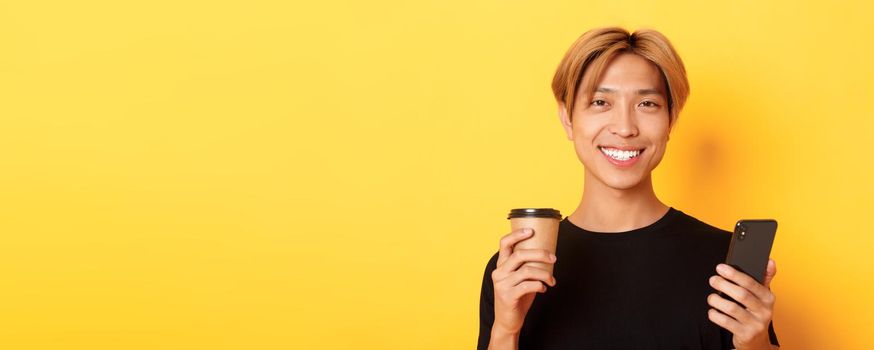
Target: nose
(623, 123)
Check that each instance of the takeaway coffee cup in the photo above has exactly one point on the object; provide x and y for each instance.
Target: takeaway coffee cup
(544, 222)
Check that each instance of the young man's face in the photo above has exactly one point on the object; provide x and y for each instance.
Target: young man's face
(621, 134)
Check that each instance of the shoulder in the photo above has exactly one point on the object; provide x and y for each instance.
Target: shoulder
(699, 241)
(692, 227)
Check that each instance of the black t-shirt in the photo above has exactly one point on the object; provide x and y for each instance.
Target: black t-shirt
(641, 289)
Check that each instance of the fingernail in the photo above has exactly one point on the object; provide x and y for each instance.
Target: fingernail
(552, 257)
(721, 268)
(712, 280)
(528, 230)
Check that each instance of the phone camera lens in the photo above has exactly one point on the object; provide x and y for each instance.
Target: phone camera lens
(742, 235)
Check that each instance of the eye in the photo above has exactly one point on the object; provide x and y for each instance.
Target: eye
(649, 104)
(599, 103)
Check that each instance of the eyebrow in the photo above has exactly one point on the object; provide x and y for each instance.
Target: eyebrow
(639, 91)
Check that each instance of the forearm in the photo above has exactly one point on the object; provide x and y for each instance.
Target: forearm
(502, 340)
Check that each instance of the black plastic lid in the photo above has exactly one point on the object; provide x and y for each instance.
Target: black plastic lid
(534, 213)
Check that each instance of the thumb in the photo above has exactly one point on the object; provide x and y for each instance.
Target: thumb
(770, 272)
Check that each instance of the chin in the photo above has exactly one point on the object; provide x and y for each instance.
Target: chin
(618, 179)
(621, 182)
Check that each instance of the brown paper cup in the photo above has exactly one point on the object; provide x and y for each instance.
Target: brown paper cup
(544, 222)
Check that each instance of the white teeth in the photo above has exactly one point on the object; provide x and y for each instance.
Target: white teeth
(619, 154)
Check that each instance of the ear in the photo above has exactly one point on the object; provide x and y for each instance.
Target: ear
(565, 121)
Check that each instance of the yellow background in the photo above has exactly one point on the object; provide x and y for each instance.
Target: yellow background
(275, 175)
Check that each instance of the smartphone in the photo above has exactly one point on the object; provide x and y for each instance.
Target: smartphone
(750, 246)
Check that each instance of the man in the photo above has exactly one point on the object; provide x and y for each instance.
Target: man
(630, 271)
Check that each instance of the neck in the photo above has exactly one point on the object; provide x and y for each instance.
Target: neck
(606, 209)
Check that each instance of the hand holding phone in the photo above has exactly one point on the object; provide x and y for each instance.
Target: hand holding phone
(744, 304)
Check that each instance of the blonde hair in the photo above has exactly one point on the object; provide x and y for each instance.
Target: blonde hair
(596, 47)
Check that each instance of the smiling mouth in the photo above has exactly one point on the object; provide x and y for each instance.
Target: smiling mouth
(620, 155)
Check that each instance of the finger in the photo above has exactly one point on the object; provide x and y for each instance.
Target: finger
(730, 308)
(510, 240)
(741, 279)
(770, 272)
(724, 321)
(527, 287)
(529, 273)
(521, 256)
(743, 296)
